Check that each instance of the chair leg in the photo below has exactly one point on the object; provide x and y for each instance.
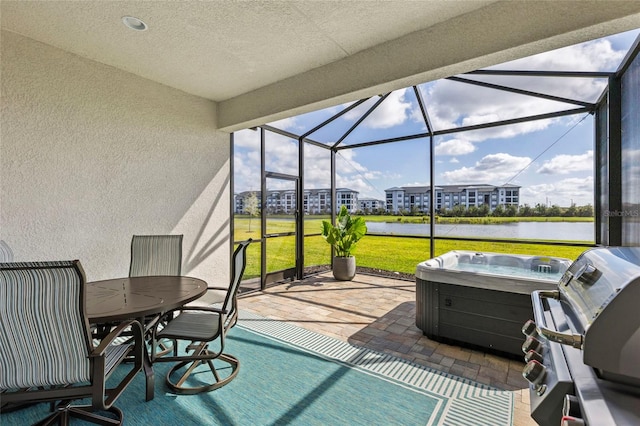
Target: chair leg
(150, 378)
(53, 418)
(178, 386)
(64, 412)
(164, 349)
(86, 413)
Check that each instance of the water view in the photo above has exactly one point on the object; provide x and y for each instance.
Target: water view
(573, 231)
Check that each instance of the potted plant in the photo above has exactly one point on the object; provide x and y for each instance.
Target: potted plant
(343, 238)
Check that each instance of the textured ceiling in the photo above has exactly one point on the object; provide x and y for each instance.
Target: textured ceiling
(262, 60)
(222, 49)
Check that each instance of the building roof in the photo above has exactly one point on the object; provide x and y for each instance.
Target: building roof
(306, 191)
(448, 188)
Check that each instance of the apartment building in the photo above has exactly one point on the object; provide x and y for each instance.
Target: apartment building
(315, 200)
(370, 204)
(448, 196)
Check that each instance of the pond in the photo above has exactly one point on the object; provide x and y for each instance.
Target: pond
(574, 231)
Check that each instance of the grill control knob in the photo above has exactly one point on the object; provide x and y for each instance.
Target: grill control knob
(534, 372)
(531, 344)
(529, 328)
(533, 355)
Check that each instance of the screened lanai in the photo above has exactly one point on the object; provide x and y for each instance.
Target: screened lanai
(498, 126)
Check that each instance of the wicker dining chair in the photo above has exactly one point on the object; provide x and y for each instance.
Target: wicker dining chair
(201, 327)
(46, 350)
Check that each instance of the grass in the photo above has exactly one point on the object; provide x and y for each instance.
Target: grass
(399, 254)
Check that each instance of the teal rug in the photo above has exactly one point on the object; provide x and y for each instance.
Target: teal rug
(292, 376)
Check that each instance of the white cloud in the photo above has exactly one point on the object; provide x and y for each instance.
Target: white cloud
(491, 169)
(454, 160)
(285, 124)
(592, 55)
(358, 111)
(393, 111)
(630, 156)
(452, 104)
(247, 139)
(564, 164)
(597, 55)
(355, 182)
(282, 156)
(561, 193)
(351, 174)
(416, 116)
(246, 160)
(416, 183)
(454, 147)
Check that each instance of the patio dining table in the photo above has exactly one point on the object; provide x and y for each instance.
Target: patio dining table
(114, 300)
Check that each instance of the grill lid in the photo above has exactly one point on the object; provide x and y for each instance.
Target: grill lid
(601, 295)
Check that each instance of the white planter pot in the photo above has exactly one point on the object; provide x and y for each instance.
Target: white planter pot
(344, 268)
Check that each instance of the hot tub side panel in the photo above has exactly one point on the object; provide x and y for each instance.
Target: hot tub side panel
(487, 318)
(427, 307)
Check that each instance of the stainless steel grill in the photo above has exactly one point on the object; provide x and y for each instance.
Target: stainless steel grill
(583, 349)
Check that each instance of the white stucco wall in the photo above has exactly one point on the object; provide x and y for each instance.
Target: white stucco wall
(90, 155)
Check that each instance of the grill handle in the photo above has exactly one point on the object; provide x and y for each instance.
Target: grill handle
(573, 340)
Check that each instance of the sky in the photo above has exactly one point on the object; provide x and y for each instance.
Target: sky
(552, 160)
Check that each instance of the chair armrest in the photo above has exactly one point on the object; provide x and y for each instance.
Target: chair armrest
(196, 308)
(205, 309)
(168, 315)
(103, 397)
(136, 331)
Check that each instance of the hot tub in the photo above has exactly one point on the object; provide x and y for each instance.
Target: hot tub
(482, 299)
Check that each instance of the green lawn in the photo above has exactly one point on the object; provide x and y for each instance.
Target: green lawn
(379, 252)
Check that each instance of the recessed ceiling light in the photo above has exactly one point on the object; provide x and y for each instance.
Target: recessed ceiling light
(134, 23)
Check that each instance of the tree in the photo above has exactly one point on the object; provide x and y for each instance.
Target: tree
(540, 210)
(511, 210)
(498, 211)
(251, 207)
(585, 211)
(444, 212)
(526, 211)
(459, 210)
(571, 211)
(472, 211)
(483, 210)
(554, 211)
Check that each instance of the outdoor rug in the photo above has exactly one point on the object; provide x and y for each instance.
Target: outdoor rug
(292, 376)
